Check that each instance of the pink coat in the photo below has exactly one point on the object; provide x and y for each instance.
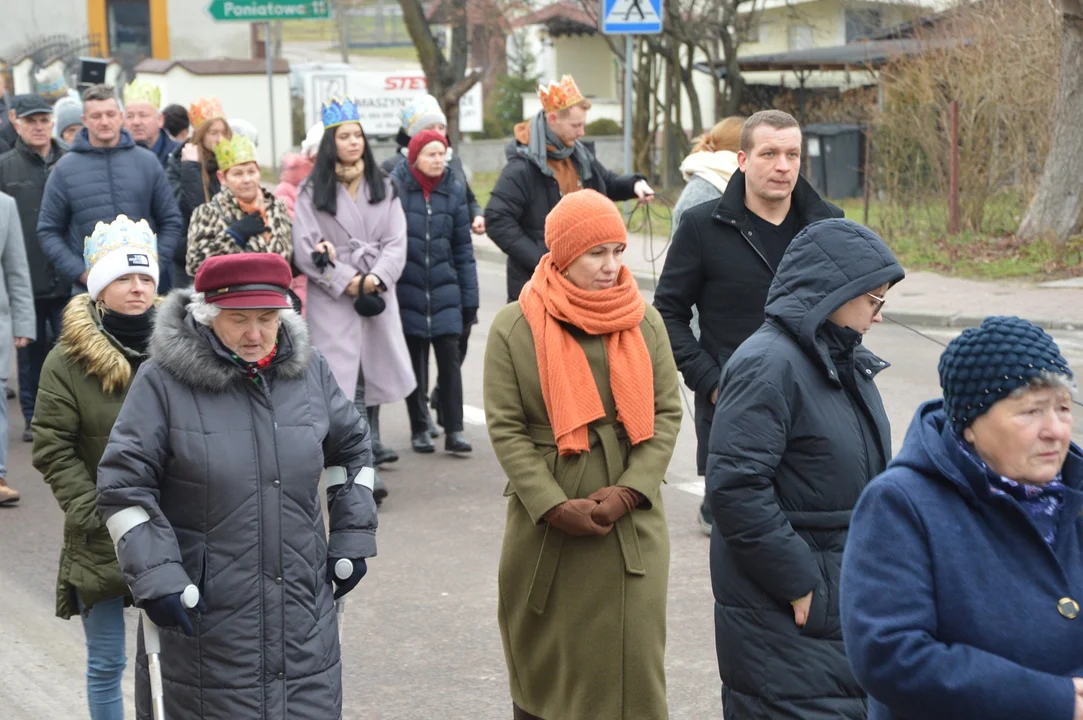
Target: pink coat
(368, 238)
(295, 168)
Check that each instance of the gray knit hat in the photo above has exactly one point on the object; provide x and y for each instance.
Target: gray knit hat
(985, 365)
(68, 112)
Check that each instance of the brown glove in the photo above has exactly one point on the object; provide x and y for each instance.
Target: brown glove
(614, 502)
(574, 518)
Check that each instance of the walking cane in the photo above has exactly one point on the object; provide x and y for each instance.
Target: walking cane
(152, 643)
(343, 570)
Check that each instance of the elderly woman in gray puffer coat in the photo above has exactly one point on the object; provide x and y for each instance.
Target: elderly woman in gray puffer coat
(211, 478)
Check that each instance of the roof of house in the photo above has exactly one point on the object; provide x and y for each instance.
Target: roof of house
(215, 66)
(855, 56)
(560, 17)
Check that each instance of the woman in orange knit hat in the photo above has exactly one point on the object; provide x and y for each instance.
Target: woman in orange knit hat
(583, 408)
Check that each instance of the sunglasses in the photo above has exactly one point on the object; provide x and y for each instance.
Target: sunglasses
(879, 303)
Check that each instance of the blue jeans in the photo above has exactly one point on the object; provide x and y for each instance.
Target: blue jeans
(105, 658)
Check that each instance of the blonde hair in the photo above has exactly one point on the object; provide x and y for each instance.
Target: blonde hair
(197, 140)
(584, 103)
(725, 135)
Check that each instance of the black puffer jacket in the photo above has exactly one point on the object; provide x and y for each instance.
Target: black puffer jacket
(520, 202)
(455, 165)
(798, 432)
(440, 277)
(95, 184)
(23, 173)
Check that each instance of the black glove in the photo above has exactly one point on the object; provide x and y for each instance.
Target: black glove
(169, 611)
(470, 316)
(345, 586)
(247, 228)
(322, 259)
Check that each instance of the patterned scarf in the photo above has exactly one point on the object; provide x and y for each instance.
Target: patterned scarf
(1041, 503)
(350, 176)
(253, 370)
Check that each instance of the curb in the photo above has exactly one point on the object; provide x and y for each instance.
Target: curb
(926, 318)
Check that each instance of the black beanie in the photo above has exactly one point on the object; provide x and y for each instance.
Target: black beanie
(984, 365)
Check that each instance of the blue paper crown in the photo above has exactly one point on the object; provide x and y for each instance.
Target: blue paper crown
(337, 111)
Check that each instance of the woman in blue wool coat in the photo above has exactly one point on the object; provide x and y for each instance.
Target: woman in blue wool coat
(438, 290)
(963, 574)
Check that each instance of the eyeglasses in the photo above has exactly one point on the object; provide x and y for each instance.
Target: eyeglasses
(879, 303)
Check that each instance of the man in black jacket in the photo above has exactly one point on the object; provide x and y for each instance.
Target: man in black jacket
(546, 161)
(724, 256)
(23, 172)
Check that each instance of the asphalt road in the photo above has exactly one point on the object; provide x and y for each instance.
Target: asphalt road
(421, 633)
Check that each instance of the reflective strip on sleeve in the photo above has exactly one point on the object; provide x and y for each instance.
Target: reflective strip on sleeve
(120, 523)
(336, 476)
(367, 478)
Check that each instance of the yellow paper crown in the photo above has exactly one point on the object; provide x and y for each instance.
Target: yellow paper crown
(204, 109)
(560, 96)
(232, 152)
(140, 91)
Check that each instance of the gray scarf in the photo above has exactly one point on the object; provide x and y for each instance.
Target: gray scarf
(542, 136)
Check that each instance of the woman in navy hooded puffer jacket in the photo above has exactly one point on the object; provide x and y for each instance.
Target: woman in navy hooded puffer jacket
(438, 290)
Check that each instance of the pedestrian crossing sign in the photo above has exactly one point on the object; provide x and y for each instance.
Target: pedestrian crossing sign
(631, 17)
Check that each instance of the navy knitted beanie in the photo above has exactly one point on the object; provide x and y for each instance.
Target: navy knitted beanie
(984, 365)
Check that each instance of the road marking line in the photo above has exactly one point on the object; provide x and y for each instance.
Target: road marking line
(692, 488)
(473, 415)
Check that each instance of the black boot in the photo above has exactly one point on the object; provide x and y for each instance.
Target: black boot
(455, 442)
(434, 432)
(380, 453)
(422, 443)
(379, 490)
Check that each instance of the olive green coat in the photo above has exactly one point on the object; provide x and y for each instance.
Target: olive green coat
(583, 619)
(83, 384)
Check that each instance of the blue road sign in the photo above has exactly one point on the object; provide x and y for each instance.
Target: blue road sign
(628, 17)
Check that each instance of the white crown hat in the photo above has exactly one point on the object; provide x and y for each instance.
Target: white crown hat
(122, 247)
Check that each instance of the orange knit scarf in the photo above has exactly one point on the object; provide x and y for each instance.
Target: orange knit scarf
(568, 387)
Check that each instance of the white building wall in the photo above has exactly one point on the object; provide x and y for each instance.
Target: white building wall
(193, 34)
(242, 96)
(23, 20)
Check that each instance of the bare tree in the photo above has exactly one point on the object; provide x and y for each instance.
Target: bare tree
(1057, 207)
(446, 75)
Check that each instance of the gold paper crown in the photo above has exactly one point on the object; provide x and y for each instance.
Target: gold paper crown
(140, 91)
(204, 109)
(232, 152)
(560, 96)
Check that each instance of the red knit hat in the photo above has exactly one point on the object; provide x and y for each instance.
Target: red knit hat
(245, 281)
(419, 141)
(580, 221)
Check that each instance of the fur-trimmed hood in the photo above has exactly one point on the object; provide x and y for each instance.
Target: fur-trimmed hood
(85, 341)
(186, 351)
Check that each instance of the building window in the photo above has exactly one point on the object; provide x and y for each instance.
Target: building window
(800, 37)
(129, 26)
(862, 22)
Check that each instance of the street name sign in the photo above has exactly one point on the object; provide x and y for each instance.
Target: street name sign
(267, 10)
(631, 17)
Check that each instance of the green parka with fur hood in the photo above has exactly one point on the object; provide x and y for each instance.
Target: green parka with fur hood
(83, 384)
